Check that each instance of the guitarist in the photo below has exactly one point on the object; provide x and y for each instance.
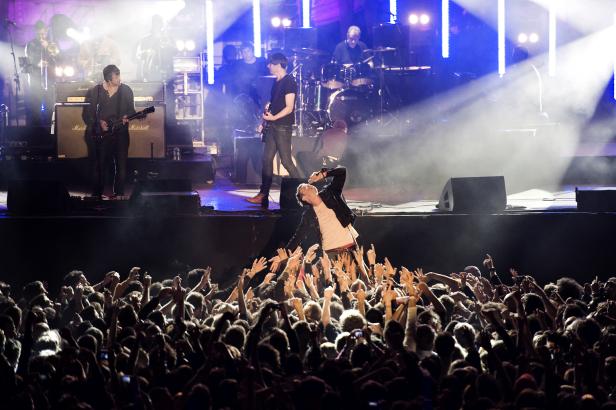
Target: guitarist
(110, 101)
(280, 118)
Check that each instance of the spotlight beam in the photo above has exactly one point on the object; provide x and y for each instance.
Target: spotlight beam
(209, 38)
(256, 26)
(445, 28)
(501, 38)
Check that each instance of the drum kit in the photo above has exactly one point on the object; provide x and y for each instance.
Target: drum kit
(331, 91)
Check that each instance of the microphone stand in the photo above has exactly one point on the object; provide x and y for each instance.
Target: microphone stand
(16, 78)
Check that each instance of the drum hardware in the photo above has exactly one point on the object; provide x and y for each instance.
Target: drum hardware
(379, 50)
(309, 51)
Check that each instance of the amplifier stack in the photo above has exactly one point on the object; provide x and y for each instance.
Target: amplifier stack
(147, 136)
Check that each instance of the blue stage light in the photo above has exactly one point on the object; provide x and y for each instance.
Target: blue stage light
(445, 28)
(209, 39)
(501, 38)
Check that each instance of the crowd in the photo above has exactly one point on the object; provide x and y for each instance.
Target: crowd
(301, 331)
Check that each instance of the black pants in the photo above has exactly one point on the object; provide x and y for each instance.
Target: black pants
(277, 139)
(103, 152)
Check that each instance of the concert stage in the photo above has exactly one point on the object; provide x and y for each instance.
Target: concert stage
(540, 233)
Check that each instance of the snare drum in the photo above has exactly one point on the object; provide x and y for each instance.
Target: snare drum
(362, 75)
(332, 76)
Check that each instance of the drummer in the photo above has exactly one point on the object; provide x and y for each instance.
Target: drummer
(350, 50)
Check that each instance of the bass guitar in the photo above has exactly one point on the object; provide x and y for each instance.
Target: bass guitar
(113, 124)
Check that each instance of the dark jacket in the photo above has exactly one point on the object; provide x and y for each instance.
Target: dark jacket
(331, 195)
(125, 105)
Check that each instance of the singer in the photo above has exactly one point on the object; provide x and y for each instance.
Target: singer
(326, 214)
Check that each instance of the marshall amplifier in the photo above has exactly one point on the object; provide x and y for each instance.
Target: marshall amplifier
(147, 136)
(72, 92)
(75, 92)
(148, 92)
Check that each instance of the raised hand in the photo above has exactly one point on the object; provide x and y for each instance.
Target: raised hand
(328, 292)
(250, 294)
(371, 255)
(293, 262)
(205, 278)
(353, 272)
(343, 281)
(389, 269)
(488, 262)
(146, 280)
(311, 253)
(359, 255)
(257, 266)
(379, 272)
(420, 275)
(360, 294)
(268, 278)
(346, 260)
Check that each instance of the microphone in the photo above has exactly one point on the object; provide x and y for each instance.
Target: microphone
(8, 22)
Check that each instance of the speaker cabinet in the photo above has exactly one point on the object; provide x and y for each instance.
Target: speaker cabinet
(595, 200)
(70, 131)
(147, 135)
(474, 194)
(35, 197)
(165, 197)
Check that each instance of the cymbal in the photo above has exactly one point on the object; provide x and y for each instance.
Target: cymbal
(309, 51)
(379, 50)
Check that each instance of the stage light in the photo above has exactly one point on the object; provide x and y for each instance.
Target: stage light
(180, 45)
(69, 71)
(276, 22)
(501, 38)
(256, 27)
(393, 11)
(190, 45)
(424, 19)
(79, 37)
(522, 38)
(72, 33)
(552, 39)
(286, 22)
(413, 19)
(59, 71)
(533, 37)
(445, 28)
(306, 13)
(209, 40)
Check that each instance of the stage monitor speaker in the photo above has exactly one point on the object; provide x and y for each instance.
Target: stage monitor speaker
(36, 197)
(147, 136)
(288, 190)
(165, 196)
(474, 194)
(596, 200)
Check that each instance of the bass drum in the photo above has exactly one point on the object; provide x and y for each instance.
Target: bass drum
(351, 105)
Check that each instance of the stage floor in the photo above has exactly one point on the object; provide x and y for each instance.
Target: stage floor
(225, 196)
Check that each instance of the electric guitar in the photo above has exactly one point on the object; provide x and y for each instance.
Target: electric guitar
(264, 124)
(114, 123)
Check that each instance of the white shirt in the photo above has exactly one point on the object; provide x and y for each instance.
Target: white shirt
(334, 235)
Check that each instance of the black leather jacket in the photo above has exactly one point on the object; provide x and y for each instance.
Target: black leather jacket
(331, 195)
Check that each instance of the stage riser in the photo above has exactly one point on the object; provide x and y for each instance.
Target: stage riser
(79, 171)
(547, 245)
